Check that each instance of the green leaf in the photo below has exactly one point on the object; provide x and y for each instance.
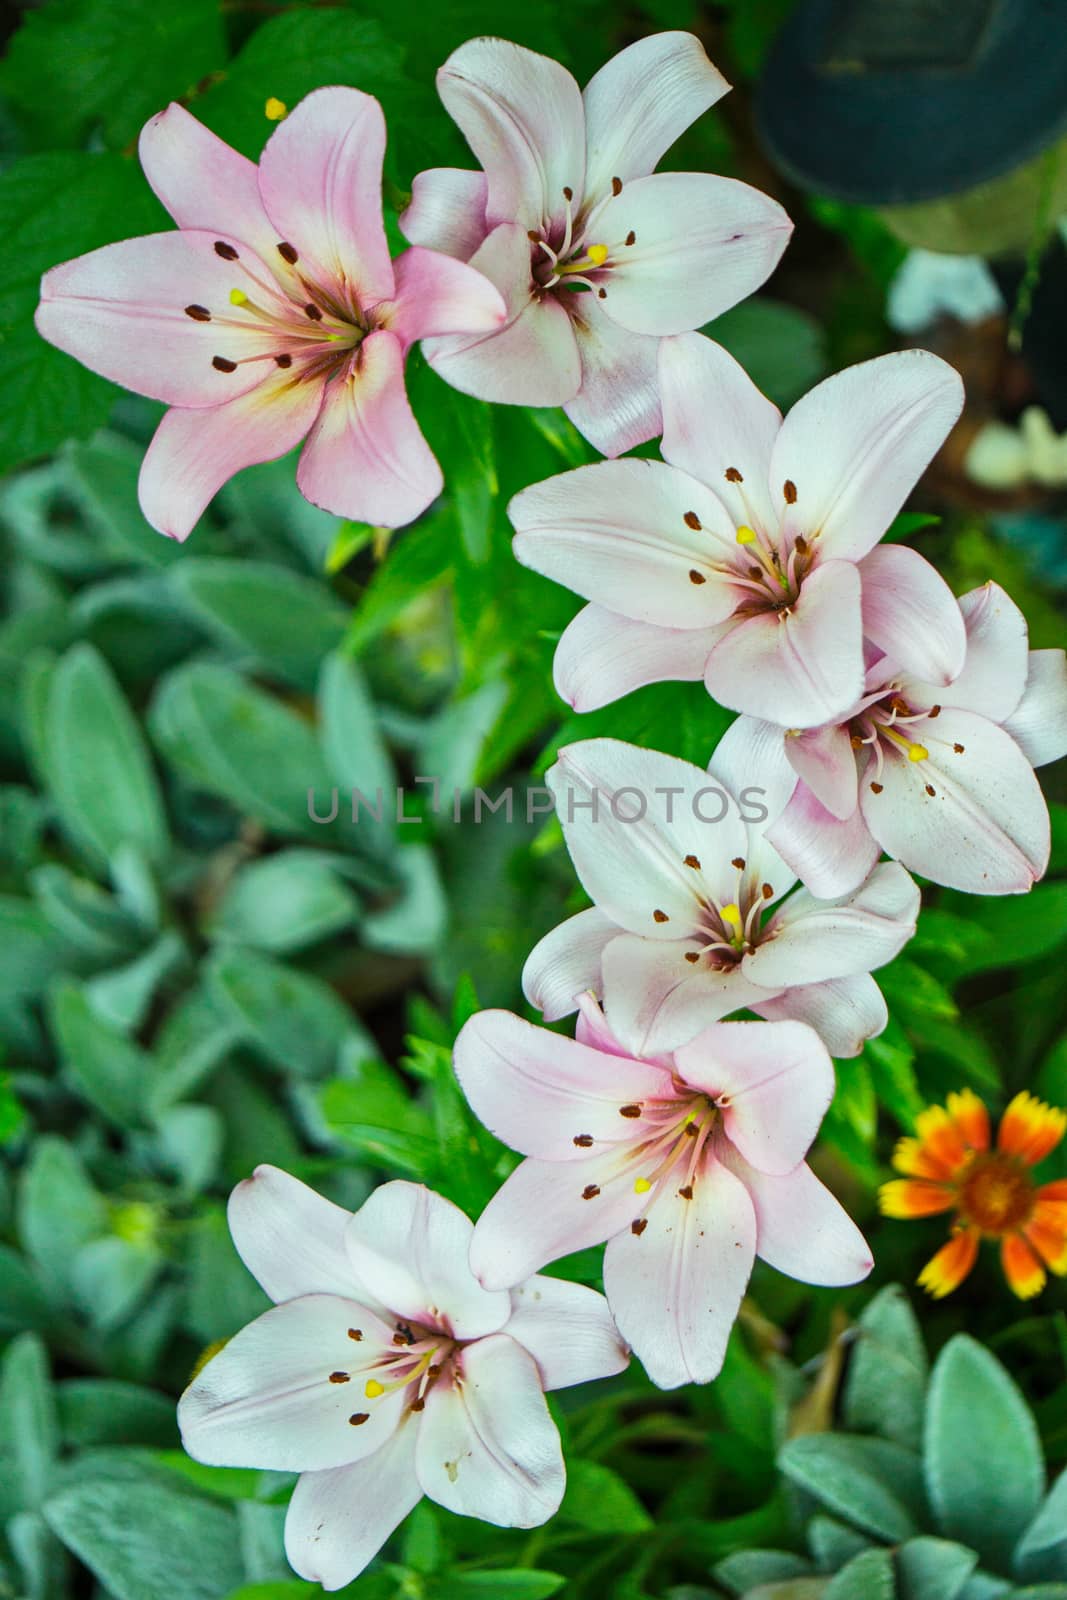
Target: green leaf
(101, 779)
(499, 1584)
(782, 349)
(111, 1279)
(32, 949)
(975, 1417)
(101, 1411)
(933, 1569)
(746, 1568)
(598, 1499)
(284, 902)
(59, 1209)
(833, 1543)
(29, 1436)
(352, 742)
(112, 1072)
(868, 1576)
(414, 923)
(838, 1472)
(144, 1542)
(885, 1390)
(284, 621)
(291, 1017)
(1049, 1527)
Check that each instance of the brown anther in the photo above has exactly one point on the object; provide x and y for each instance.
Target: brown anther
(800, 545)
(931, 791)
(198, 313)
(876, 788)
(283, 361)
(338, 1377)
(691, 520)
(568, 193)
(434, 1371)
(221, 364)
(789, 489)
(356, 1334)
(287, 253)
(400, 1338)
(660, 916)
(692, 861)
(583, 1140)
(739, 863)
(630, 1111)
(631, 237)
(768, 892)
(637, 1228)
(616, 186)
(732, 475)
(533, 236)
(226, 251)
(686, 1191)
(590, 1191)
(934, 711)
(695, 576)
(313, 312)
(690, 1130)
(958, 749)
(602, 294)
(755, 572)
(358, 1418)
(693, 956)
(856, 742)
(418, 1405)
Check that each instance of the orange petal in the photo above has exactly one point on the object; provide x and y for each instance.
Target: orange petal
(912, 1197)
(1024, 1272)
(970, 1117)
(947, 1270)
(1047, 1233)
(1055, 1191)
(915, 1161)
(940, 1138)
(1029, 1129)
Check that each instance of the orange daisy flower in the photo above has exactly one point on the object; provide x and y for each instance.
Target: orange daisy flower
(951, 1166)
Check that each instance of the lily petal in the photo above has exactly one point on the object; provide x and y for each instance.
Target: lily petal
(830, 857)
(702, 243)
(489, 1449)
(435, 294)
(845, 1012)
(601, 657)
(320, 176)
(994, 672)
(676, 1287)
(911, 614)
(291, 1239)
(195, 451)
(447, 211)
(566, 962)
(618, 405)
(855, 446)
(339, 1519)
(365, 457)
(800, 667)
(657, 1000)
(826, 762)
(203, 182)
(810, 941)
(568, 1330)
(621, 533)
(521, 113)
(801, 1229)
(750, 762)
(1039, 722)
(641, 101)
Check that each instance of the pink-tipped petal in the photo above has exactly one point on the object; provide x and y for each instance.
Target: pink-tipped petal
(1039, 722)
(435, 294)
(447, 211)
(291, 1239)
(194, 452)
(801, 1229)
(772, 1081)
(267, 1399)
(618, 405)
(676, 1287)
(855, 446)
(701, 244)
(826, 762)
(602, 656)
(715, 421)
(366, 458)
(911, 614)
(409, 1247)
(531, 361)
(845, 1012)
(641, 101)
(617, 533)
(121, 311)
(830, 857)
(657, 999)
(800, 667)
(548, 1096)
(489, 1449)
(995, 670)
(984, 828)
(521, 113)
(566, 962)
(750, 762)
(810, 941)
(632, 819)
(320, 178)
(568, 1330)
(339, 1519)
(203, 182)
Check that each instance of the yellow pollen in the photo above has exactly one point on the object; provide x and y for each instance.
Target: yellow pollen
(598, 254)
(641, 1186)
(745, 534)
(275, 109)
(918, 752)
(238, 297)
(373, 1389)
(731, 915)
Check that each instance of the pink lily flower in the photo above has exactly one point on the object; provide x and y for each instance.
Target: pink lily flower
(747, 556)
(273, 314)
(596, 255)
(692, 918)
(385, 1371)
(938, 775)
(689, 1165)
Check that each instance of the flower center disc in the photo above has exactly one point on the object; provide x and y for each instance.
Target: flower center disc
(996, 1195)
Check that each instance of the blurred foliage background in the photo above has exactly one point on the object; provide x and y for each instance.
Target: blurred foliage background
(198, 975)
